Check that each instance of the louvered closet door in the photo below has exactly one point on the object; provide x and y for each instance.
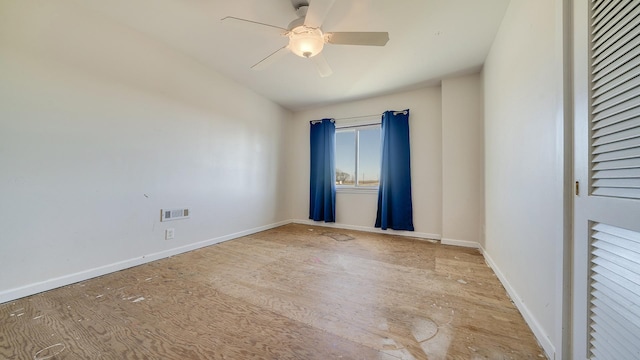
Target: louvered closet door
(606, 269)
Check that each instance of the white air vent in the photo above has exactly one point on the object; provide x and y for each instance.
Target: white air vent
(173, 214)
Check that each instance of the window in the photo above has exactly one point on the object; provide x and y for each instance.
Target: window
(358, 156)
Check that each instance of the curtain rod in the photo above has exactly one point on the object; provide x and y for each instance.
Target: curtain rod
(359, 117)
(319, 121)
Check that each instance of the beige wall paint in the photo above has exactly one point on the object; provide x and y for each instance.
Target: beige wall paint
(446, 146)
(426, 159)
(101, 128)
(524, 162)
(462, 160)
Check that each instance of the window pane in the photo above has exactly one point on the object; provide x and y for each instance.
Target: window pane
(345, 157)
(369, 164)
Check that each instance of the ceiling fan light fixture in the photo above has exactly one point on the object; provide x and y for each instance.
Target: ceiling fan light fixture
(306, 42)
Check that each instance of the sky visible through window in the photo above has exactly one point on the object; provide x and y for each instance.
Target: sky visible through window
(345, 157)
(369, 164)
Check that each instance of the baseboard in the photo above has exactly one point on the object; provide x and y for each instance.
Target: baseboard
(537, 330)
(462, 243)
(34, 288)
(414, 234)
(539, 333)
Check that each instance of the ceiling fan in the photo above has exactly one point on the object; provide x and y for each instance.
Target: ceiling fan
(306, 38)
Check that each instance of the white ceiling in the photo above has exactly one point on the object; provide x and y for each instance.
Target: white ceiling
(429, 40)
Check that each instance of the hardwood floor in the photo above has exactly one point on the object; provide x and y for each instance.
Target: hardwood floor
(294, 292)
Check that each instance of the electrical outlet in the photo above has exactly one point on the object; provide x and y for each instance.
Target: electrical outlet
(169, 234)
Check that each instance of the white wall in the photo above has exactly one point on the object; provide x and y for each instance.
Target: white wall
(524, 160)
(100, 128)
(462, 160)
(359, 210)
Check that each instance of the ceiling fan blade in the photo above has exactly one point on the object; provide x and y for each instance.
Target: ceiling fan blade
(256, 25)
(358, 38)
(318, 10)
(322, 65)
(271, 58)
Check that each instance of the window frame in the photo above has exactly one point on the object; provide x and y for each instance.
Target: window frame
(355, 188)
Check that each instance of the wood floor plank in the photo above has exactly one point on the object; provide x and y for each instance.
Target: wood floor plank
(294, 292)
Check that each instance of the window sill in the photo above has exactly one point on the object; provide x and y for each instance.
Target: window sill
(356, 190)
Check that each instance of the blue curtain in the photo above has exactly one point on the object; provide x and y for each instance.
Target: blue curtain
(395, 210)
(322, 199)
